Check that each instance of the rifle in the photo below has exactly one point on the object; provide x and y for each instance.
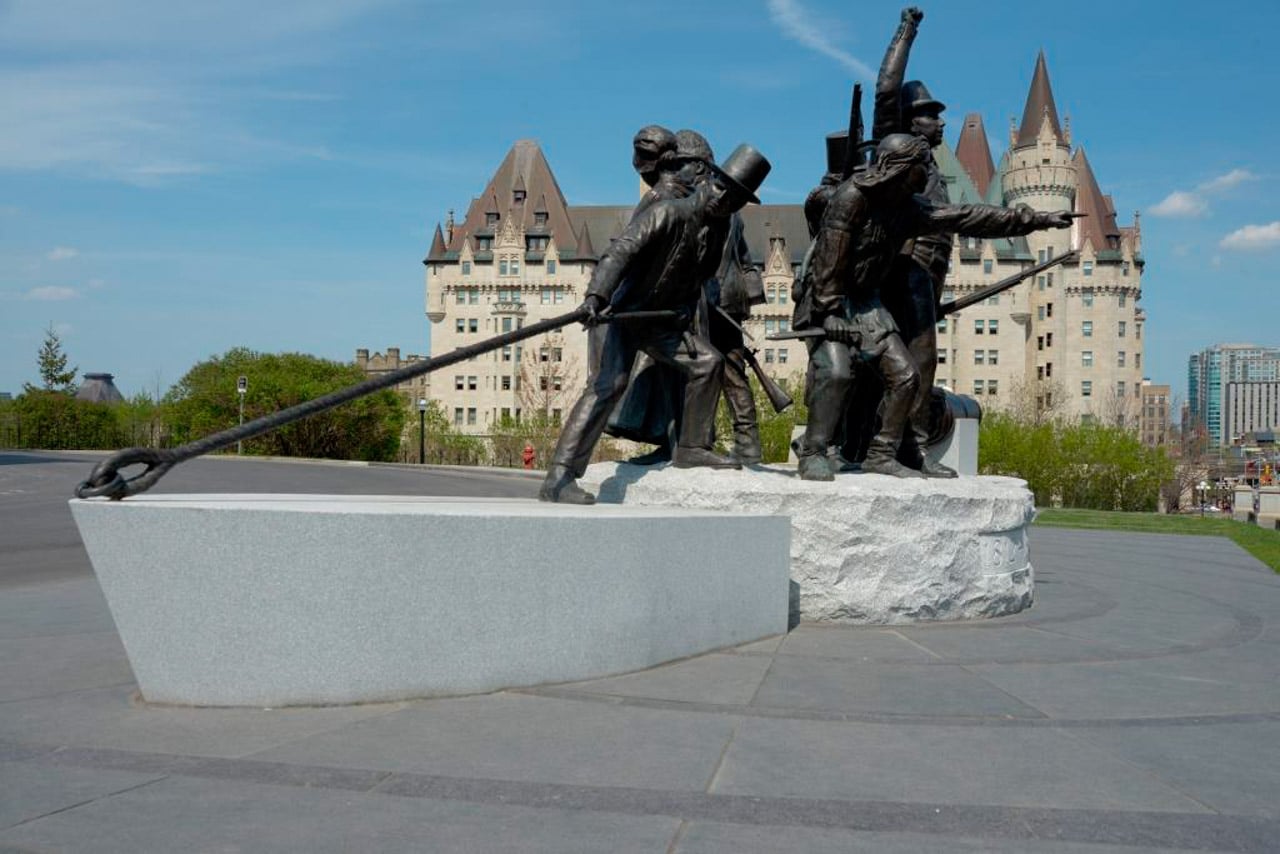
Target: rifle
(778, 396)
(957, 304)
(106, 478)
(854, 141)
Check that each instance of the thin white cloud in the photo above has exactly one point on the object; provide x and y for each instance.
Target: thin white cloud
(1253, 237)
(1234, 178)
(62, 253)
(1180, 203)
(798, 24)
(1192, 203)
(52, 293)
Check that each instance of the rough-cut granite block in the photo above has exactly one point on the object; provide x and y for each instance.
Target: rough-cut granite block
(867, 548)
(269, 600)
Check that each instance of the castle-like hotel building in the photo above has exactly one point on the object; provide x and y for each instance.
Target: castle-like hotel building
(1068, 341)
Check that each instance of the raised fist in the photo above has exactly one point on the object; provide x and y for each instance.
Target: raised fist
(912, 15)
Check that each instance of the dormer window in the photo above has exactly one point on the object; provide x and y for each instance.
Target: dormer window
(535, 244)
(491, 219)
(484, 244)
(517, 196)
(540, 218)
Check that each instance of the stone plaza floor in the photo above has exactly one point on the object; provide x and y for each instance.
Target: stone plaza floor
(1136, 706)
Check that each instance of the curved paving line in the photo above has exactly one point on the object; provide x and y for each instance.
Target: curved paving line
(835, 716)
(1180, 830)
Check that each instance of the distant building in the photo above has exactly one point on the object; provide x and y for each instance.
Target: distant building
(411, 390)
(1069, 340)
(99, 388)
(1234, 389)
(1154, 417)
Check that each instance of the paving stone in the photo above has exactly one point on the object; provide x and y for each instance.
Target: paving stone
(941, 690)
(29, 790)
(112, 718)
(725, 679)
(862, 644)
(44, 666)
(200, 815)
(521, 737)
(999, 766)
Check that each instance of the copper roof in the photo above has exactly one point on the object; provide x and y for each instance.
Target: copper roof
(1039, 103)
(437, 250)
(974, 153)
(1099, 227)
(524, 168)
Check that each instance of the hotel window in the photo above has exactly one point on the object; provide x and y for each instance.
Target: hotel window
(1040, 282)
(484, 244)
(942, 325)
(1086, 388)
(506, 383)
(1048, 369)
(471, 415)
(1120, 359)
(979, 326)
(490, 219)
(978, 386)
(460, 325)
(768, 357)
(993, 357)
(1124, 268)
(1039, 312)
(457, 416)
(1120, 389)
(506, 324)
(942, 356)
(782, 357)
(1039, 342)
(1048, 310)
(1124, 300)
(993, 300)
(540, 218)
(1137, 360)
(1048, 339)
(986, 266)
(460, 297)
(551, 267)
(473, 325)
(466, 268)
(459, 382)
(1039, 372)
(515, 267)
(782, 295)
(1042, 256)
(1086, 358)
(993, 327)
(1086, 328)
(471, 383)
(473, 296)
(1048, 277)
(1121, 329)
(1086, 299)
(991, 386)
(979, 357)
(1087, 268)
(506, 353)
(502, 267)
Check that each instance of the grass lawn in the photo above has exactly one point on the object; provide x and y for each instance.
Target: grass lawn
(1259, 542)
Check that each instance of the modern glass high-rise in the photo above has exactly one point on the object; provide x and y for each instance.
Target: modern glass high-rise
(1211, 373)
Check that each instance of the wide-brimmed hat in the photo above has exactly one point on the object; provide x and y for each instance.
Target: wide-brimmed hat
(744, 169)
(916, 98)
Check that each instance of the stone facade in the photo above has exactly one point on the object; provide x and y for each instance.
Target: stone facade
(1068, 341)
(418, 388)
(1154, 419)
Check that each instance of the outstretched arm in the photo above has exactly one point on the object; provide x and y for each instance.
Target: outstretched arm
(989, 220)
(893, 70)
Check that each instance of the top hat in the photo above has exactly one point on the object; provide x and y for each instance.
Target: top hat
(744, 170)
(917, 99)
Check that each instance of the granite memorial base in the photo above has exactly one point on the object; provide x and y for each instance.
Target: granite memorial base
(273, 600)
(866, 548)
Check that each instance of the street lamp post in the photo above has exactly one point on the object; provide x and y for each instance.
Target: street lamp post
(422, 431)
(1204, 493)
(242, 386)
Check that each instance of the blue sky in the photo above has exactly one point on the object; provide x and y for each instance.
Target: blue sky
(178, 178)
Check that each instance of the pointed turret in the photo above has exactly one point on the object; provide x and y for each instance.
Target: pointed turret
(585, 248)
(1099, 227)
(1040, 107)
(974, 153)
(437, 250)
(524, 173)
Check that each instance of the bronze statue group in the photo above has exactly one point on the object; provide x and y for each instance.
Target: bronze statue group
(866, 296)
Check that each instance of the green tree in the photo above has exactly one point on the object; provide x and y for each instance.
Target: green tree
(54, 373)
(205, 401)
